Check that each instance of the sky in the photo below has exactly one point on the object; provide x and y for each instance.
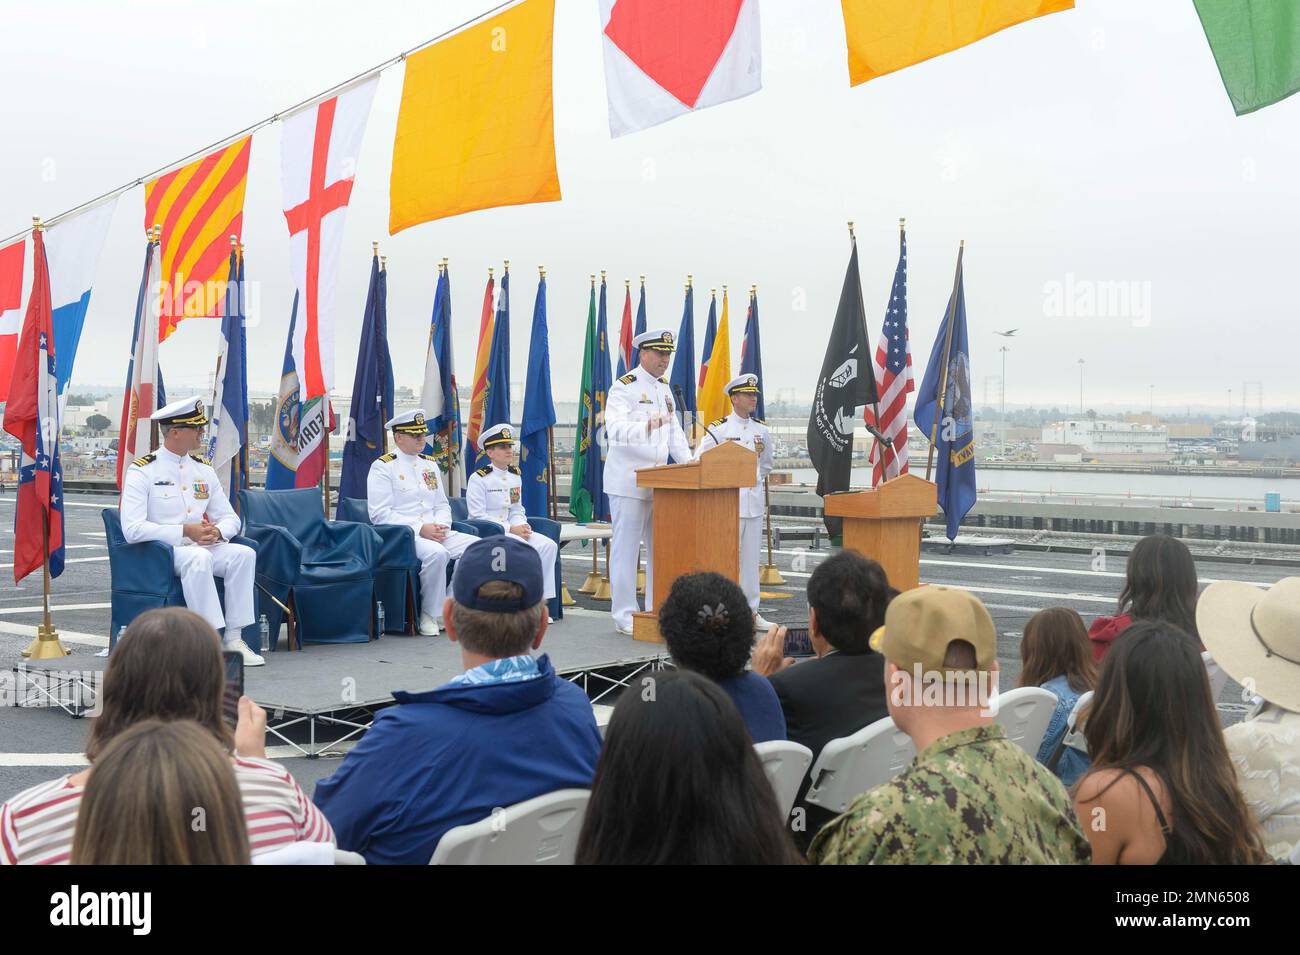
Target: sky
(1114, 209)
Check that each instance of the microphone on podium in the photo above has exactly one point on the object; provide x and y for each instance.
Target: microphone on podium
(677, 393)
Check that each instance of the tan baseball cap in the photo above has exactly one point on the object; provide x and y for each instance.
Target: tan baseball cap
(920, 623)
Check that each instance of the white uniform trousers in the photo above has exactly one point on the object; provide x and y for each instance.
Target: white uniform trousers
(751, 536)
(546, 551)
(434, 556)
(197, 565)
(632, 525)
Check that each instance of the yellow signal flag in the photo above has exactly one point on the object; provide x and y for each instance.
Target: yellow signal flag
(712, 401)
(888, 35)
(475, 128)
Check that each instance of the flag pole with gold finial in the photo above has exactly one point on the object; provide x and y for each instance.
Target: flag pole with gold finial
(47, 645)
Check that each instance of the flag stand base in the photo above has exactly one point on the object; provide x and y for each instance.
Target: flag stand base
(566, 599)
(590, 585)
(602, 591)
(46, 646)
(640, 581)
(770, 575)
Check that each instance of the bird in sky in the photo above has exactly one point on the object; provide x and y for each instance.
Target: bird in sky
(1009, 333)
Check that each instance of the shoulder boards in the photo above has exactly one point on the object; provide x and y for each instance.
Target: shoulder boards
(628, 378)
(428, 457)
(200, 458)
(759, 421)
(514, 470)
(720, 421)
(146, 459)
(390, 456)
(662, 381)
(484, 471)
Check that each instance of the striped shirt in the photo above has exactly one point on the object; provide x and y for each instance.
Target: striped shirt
(37, 825)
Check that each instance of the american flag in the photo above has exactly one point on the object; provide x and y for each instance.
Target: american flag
(893, 363)
(32, 416)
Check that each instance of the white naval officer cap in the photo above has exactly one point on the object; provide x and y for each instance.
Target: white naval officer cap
(659, 339)
(409, 422)
(186, 413)
(496, 436)
(743, 384)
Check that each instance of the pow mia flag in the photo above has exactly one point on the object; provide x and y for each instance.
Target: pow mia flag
(845, 386)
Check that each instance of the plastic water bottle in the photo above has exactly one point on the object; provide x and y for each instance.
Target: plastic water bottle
(264, 634)
(379, 615)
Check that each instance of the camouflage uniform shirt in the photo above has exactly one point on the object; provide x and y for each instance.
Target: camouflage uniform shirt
(971, 797)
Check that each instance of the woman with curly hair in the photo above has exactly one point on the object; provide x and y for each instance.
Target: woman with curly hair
(709, 629)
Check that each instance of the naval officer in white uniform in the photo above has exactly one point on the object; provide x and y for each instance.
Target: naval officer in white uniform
(749, 432)
(172, 495)
(493, 494)
(642, 429)
(405, 487)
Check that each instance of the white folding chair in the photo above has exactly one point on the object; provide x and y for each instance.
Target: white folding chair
(853, 764)
(1218, 677)
(785, 763)
(1025, 713)
(343, 857)
(541, 831)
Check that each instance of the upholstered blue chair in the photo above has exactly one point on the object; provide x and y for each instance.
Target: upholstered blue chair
(325, 567)
(397, 568)
(143, 578)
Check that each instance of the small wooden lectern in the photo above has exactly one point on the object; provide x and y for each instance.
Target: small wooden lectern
(884, 524)
(696, 521)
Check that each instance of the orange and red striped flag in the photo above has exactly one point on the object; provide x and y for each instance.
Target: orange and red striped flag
(479, 390)
(199, 207)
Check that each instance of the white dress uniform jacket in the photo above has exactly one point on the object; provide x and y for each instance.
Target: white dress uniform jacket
(494, 494)
(749, 433)
(406, 489)
(163, 491)
(632, 401)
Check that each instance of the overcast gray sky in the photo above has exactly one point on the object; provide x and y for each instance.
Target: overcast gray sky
(1093, 146)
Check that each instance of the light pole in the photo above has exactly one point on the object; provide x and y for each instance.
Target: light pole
(1081, 363)
(1004, 349)
(1151, 401)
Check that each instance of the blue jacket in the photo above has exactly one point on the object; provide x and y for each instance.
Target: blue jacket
(448, 757)
(1073, 763)
(758, 704)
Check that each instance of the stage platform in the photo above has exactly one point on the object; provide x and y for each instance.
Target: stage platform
(327, 694)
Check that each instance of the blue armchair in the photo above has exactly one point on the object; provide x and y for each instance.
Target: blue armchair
(326, 568)
(397, 568)
(143, 578)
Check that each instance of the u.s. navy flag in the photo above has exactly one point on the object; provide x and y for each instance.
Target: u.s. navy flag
(32, 416)
(944, 410)
(846, 384)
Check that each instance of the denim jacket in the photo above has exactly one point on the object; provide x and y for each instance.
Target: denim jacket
(1073, 763)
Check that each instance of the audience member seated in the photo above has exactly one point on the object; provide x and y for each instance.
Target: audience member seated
(709, 629)
(1159, 584)
(162, 793)
(506, 730)
(167, 666)
(1254, 635)
(1055, 655)
(842, 689)
(970, 795)
(679, 783)
(1161, 788)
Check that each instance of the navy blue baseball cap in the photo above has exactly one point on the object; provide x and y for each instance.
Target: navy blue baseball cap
(500, 557)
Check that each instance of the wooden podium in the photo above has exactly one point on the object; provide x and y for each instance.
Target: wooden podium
(696, 521)
(884, 524)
